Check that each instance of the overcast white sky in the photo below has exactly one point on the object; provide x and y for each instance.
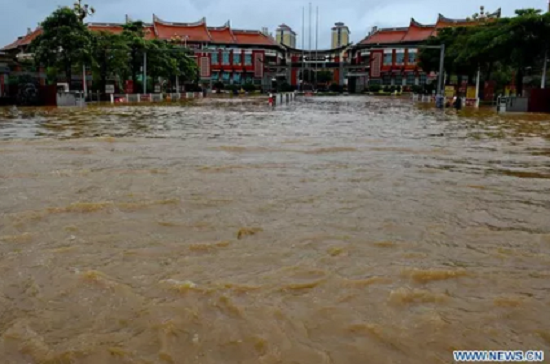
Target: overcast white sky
(360, 15)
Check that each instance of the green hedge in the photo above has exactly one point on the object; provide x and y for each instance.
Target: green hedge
(249, 87)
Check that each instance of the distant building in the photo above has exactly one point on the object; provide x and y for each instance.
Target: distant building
(232, 56)
(386, 56)
(389, 56)
(340, 35)
(286, 36)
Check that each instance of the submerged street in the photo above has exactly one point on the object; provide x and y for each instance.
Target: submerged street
(330, 230)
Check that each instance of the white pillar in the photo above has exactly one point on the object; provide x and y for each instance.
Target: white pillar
(145, 72)
(112, 99)
(177, 84)
(478, 79)
(84, 84)
(543, 81)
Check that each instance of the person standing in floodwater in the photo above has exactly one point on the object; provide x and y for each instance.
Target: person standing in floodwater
(457, 102)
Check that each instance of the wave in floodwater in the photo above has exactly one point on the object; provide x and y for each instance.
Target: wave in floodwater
(329, 230)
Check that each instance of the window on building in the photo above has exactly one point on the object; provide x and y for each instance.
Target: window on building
(388, 58)
(215, 76)
(237, 78)
(423, 79)
(376, 81)
(215, 58)
(386, 79)
(237, 58)
(225, 58)
(412, 57)
(400, 58)
(226, 76)
(248, 59)
(398, 80)
(410, 78)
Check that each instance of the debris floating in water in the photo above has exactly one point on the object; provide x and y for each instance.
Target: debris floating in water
(244, 232)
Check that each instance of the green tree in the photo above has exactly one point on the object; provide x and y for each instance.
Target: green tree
(64, 42)
(159, 60)
(324, 76)
(134, 36)
(186, 67)
(110, 52)
(519, 43)
(525, 40)
(453, 39)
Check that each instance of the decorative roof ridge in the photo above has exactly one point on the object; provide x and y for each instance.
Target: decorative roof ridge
(420, 25)
(496, 14)
(248, 31)
(395, 29)
(201, 22)
(227, 25)
(444, 19)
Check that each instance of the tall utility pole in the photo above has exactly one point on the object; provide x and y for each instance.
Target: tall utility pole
(309, 56)
(145, 72)
(441, 84)
(82, 11)
(316, 47)
(478, 79)
(303, 46)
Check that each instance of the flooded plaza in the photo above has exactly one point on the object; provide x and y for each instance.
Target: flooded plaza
(326, 231)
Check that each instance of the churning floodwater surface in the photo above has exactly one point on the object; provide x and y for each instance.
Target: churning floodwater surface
(326, 231)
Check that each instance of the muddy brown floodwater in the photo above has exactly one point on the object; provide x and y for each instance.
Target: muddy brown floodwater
(327, 231)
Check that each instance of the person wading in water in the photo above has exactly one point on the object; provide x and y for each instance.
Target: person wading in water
(457, 102)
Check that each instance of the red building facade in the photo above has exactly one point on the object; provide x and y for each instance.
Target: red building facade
(387, 56)
(390, 56)
(233, 56)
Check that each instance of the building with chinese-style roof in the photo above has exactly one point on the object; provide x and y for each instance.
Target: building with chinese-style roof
(389, 56)
(386, 56)
(223, 53)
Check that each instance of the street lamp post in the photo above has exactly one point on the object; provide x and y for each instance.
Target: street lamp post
(441, 83)
(82, 11)
(145, 72)
(477, 85)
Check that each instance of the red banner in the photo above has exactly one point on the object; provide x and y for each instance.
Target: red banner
(489, 91)
(258, 65)
(129, 87)
(376, 63)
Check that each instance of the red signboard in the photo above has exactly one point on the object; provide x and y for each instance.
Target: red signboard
(376, 63)
(204, 66)
(489, 91)
(463, 87)
(129, 87)
(258, 64)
